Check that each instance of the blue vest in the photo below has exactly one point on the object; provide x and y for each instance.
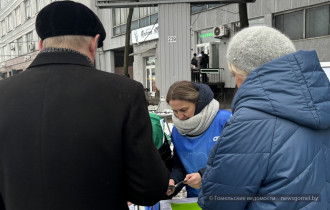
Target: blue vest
(194, 151)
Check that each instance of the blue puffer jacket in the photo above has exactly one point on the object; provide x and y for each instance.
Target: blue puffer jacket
(277, 141)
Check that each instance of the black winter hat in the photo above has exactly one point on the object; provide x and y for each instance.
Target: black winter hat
(68, 18)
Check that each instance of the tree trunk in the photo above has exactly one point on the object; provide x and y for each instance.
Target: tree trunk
(243, 15)
(127, 41)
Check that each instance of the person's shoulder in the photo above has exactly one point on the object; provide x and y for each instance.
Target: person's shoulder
(246, 114)
(117, 79)
(114, 81)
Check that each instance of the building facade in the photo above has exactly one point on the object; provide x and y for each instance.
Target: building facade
(306, 22)
(165, 37)
(18, 37)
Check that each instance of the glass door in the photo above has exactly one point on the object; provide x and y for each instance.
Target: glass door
(151, 76)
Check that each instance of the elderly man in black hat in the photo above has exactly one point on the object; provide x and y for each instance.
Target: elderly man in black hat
(73, 137)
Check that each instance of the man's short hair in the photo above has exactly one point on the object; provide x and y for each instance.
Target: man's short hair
(75, 42)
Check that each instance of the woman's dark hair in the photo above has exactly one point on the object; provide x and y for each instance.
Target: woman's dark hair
(183, 90)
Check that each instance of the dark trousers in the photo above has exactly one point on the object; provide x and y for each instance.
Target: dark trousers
(204, 78)
(195, 76)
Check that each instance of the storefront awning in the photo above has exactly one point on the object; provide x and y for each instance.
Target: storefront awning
(150, 49)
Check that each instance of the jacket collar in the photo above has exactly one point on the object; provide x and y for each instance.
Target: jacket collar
(61, 56)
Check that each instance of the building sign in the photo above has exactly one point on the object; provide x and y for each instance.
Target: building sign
(145, 34)
(207, 35)
(171, 38)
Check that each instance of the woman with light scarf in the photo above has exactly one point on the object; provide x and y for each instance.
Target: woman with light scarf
(198, 123)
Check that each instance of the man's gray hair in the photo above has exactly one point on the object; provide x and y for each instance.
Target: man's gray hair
(255, 46)
(74, 42)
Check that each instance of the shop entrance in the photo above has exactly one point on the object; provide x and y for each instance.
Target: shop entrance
(150, 73)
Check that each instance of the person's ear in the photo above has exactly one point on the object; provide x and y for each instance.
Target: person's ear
(93, 47)
(41, 45)
(94, 44)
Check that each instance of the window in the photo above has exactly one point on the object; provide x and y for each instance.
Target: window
(14, 18)
(317, 21)
(10, 22)
(153, 10)
(40, 4)
(6, 52)
(142, 17)
(123, 29)
(6, 25)
(116, 31)
(306, 23)
(119, 20)
(134, 25)
(116, 15)
(20, 46)
(4, 28)
(257, 22)
(144, 22)
(291, 24)
(3, 3)
(123, 15)
(135, 14)
(13, 49)
(196, 8)
(144, 11)
(28, 9)
(29, 41)
(214, 5)
(18, 16)
(153, 19)
(2, 54)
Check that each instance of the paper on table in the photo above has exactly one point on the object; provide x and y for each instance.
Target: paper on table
(185, 206)
(167, 204)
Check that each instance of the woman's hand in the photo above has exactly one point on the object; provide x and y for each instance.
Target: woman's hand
(194, 180)
(170, 190)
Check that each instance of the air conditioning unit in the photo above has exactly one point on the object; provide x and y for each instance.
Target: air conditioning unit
(12, 47)
(221, 31)
(31, 46)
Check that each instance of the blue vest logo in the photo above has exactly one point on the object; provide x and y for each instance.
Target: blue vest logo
(215, 138)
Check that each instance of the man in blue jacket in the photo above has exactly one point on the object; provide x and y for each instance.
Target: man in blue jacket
(274, 151)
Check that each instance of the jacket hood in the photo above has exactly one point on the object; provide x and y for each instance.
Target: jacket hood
(293, 87)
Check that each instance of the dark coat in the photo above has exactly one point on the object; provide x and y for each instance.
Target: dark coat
(277, 143)
(73, 137)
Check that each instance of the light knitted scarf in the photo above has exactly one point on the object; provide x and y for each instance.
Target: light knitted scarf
(197, 124)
